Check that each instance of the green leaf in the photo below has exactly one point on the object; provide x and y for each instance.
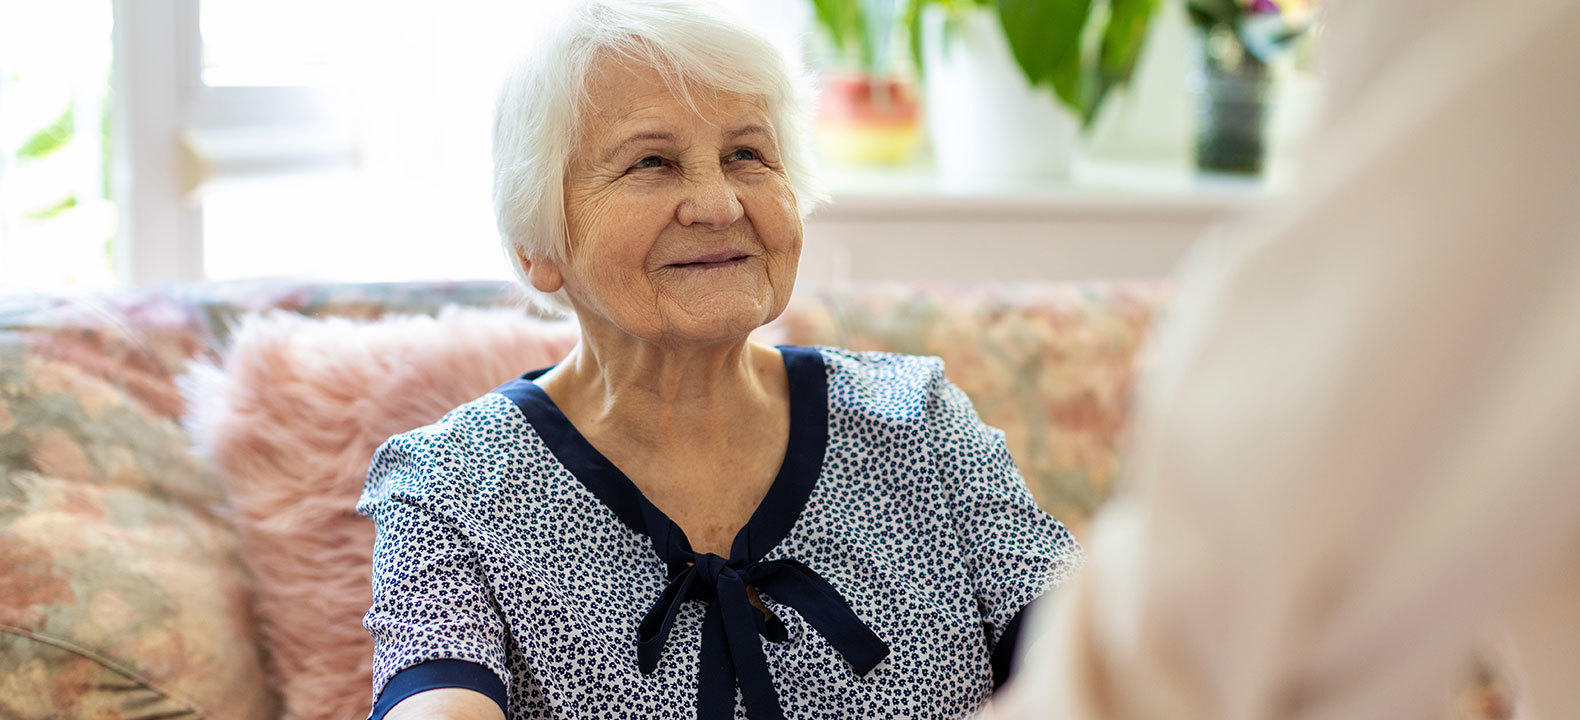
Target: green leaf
(50, 138)
(1045, 37)
(846, 24)
(45, 213)
(1070, 84)
(1123, 39)
(1206, 13)
(1126, 33)
(913, 32)
(838, 17)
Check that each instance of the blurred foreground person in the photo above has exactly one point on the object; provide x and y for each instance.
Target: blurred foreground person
(1359, 453)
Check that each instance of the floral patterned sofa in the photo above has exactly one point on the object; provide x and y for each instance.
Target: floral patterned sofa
(123, 591)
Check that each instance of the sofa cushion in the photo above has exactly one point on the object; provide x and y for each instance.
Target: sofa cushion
(139, 340)
(123, 595)
(292, 419)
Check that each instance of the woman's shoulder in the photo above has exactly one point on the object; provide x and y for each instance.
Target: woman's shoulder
(445, 457)
(883, 379)
(480, 420)
(878, 366)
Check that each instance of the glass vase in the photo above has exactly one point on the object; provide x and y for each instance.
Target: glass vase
(1234, 92)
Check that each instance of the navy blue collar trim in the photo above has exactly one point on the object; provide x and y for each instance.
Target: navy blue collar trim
(773, 518)
(731, 654)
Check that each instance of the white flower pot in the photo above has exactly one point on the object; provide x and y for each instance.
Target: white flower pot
(989, 127)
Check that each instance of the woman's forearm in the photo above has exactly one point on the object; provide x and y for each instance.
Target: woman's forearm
(446, 704)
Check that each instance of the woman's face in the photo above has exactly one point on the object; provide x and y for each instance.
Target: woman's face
(682, 225)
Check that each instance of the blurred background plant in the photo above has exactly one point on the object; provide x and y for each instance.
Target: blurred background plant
(983, 120)
(1081, 49)
(862, 32)
(868, 114)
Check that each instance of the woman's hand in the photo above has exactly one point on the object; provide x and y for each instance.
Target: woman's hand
(446, 704)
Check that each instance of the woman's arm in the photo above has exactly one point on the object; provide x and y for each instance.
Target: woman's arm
(446, 704)
(1014, 550)
(434, 620)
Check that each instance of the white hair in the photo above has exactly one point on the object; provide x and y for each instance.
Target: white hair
(687, 41)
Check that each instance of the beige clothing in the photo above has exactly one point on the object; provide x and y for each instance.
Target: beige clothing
(1360, 451)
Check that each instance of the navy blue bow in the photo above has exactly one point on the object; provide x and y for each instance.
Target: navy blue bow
(731, 652)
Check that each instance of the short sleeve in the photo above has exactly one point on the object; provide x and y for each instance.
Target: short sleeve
(431, 599)
(1014, 549)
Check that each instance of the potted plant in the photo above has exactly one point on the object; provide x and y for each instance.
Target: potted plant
(1010, 84)
(868, 114)
(1238, 42)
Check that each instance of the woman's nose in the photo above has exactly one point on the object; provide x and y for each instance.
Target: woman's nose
(710, 201)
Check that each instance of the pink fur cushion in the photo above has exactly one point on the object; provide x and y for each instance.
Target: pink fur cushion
(292, 420)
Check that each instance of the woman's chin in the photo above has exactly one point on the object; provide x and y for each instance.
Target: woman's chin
(720, 316)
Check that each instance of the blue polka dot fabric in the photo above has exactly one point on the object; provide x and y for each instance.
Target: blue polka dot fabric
(513, 559)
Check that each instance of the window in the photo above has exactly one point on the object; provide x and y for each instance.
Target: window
(354, 146)
(57, 224)
(349, 140)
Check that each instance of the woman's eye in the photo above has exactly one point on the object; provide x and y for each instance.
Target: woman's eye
(651, 161)
(744, 154)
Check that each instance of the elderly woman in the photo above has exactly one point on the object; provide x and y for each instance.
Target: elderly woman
(674, 513)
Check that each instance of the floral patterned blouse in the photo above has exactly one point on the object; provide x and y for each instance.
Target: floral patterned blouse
(895, 552)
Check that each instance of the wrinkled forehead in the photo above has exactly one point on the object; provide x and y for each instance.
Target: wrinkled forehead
(623, 91)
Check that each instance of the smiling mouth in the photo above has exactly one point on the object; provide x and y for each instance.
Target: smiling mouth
(721, 260)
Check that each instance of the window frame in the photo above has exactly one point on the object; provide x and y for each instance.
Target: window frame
(172, 132)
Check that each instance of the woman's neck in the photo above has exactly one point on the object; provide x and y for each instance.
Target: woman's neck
(655, 395)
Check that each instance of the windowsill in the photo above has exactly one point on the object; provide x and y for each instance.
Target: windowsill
(1093, 191)
(1106, 221)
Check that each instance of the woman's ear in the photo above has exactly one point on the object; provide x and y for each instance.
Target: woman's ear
(542, 272)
